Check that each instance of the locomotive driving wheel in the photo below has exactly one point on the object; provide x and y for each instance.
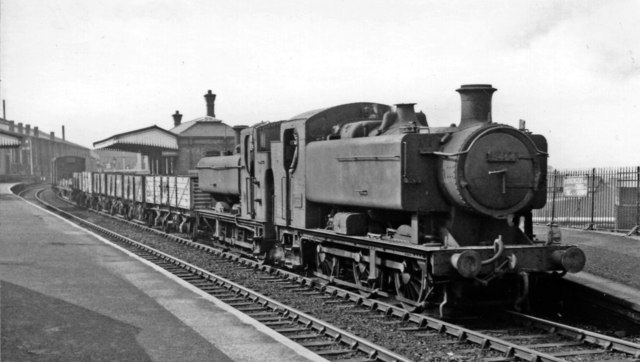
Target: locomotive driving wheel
(411, 285)
(361, 273)
(328, 265)
(361, 278)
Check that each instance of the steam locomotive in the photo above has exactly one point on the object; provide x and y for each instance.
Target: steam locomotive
(370, 197)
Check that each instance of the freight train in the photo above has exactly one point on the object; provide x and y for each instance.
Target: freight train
(368, 196)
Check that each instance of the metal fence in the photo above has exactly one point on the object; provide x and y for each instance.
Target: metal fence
(596, 198)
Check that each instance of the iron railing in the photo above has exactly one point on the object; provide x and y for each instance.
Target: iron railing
(595, 198)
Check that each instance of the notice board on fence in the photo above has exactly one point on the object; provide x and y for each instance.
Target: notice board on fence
(575, 186)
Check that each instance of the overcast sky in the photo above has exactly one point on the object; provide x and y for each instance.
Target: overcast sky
(571, 69)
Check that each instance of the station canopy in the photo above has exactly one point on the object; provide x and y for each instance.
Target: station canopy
(8, 140)
(145, 140)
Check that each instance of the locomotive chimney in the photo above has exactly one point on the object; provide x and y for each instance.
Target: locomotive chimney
(177, 118)
(476, 104)
(211, 100)
(406, 114)
(237, 130)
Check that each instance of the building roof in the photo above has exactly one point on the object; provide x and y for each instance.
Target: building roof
(152, 137)
(8, 140)
(4, 126)
(203, 127)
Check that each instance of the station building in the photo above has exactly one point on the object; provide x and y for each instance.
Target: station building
(26, 152)
(108, 160)
(177, 150)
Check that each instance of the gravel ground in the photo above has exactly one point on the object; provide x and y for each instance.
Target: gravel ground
(380, 330)
(383, 331)
(611, 256)
(435, 347)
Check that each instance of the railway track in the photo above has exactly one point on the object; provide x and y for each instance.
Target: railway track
(534, 339)
(319, 336)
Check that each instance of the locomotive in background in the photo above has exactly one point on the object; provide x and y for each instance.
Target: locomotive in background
(64, 170)
(369, 197)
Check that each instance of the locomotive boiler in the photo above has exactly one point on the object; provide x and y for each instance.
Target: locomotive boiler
(372, 197)
(462, 185)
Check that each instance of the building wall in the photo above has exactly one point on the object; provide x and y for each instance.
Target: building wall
(36, 151)
(5, 160)
(192, 149)
(119, 160)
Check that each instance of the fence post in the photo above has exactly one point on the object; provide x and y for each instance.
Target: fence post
(554, 235)
(553, 199)
(636, 229)
(593, 198)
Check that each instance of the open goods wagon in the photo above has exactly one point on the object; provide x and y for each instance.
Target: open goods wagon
(166, 201)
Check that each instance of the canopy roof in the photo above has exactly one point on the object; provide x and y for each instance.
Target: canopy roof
(8, 140)
(141, 140)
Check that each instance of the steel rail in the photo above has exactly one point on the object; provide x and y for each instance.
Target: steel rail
(422, 322)
(354, 342)
(582, 335)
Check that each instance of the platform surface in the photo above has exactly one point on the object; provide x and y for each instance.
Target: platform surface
(613, 261)
(68, 295)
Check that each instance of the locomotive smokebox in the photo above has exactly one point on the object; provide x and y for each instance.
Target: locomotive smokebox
(476, 104)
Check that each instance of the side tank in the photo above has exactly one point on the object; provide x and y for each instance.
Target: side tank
(383, 172)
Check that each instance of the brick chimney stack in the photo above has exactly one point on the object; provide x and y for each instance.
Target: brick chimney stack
(52, 135)
(211, 101)
(20, 127)
(27, 129)
(36, 131)
(12, 126)
(177, 118)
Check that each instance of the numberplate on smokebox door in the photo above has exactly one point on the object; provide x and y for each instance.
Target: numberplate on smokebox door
(501, 156)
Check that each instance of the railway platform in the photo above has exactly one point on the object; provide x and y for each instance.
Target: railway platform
(69, 295)
(613, 262)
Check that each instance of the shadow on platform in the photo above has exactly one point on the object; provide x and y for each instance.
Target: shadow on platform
(36, 327)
